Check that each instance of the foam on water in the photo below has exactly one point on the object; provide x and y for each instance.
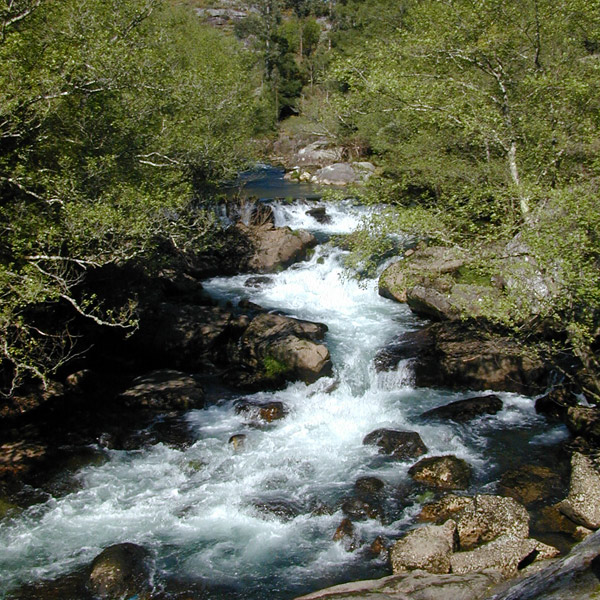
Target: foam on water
(211, 512)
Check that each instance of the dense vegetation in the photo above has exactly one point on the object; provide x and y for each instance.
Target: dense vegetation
(483, 117)
(113, 116)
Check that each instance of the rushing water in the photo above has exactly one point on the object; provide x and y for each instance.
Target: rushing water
(201, 508)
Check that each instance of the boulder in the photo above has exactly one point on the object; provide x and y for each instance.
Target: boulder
(584, 421)
(417, 267)
(505, 554)
(429, 548)
(442, 472)
(582, 504)
(455, 355)
(415, 585)
(490, 517)
(401, 445)
(465, 410)
(336, 174)
(319, 214)
(318, 154)
(447, 508)
(359, 509)
(573, 577)
(258, 281)
(555, 403)
(261, 411)
(275, 349)
(238, 441)
(368, 487)
(530, 484)
(164, 390)
(120, 571)
(273, 248)
(345, 533)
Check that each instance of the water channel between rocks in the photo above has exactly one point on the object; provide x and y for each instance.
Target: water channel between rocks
(258, 523)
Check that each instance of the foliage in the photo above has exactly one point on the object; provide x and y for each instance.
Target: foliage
(112, 115)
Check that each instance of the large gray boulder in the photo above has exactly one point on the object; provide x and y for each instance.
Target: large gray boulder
(337, 174)
(429, 548)
(582, 505)
(273, 248)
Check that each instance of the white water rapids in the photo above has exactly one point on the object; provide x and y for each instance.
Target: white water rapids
(199, 508)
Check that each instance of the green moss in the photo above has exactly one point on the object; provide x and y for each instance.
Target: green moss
(473, 275)
(274, 367)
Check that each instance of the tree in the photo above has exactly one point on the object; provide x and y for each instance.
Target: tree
(113, 115)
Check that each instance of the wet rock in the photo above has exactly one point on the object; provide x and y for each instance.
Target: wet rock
(266, 411)
(238, 441)
(399, 444)
(378, 547)
(368, 487)
(275, 349)
(81, 382)
(120, 571)
(490, 517)
(258, 281)
(274, 248)
(446, 508)
(584, 421)
(345, 533)
(358, 509)
(442, 472)
(319, 214)
(529, 484)
(164, 390)
(429, 548)
(505, 554)
(551, 520)
(582, 505)
(284, 510)
(465, 410)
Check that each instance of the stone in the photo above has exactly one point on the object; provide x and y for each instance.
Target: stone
(447, 508)
(429, 548)
(582, 504)
(584, 421)
(274, 248)
(529, 484)
(401, 445)
(415, 585)
(238, 441)
(505, 554)
(319, 214)
(345, 533)
(490, 517)
(572, 577)
(120, 571)
(164, 390)
(442, 472)
(465, 410)
(258, 281)
(274, 349)
(359, 509)
(29, 398)
(336, 174)
(261, 411)
(367, 487)
(555, 403)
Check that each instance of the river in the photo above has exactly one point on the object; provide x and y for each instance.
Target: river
(258, 523)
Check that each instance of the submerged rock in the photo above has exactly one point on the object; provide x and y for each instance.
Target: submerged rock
(121, 571)
(261, 411)
(529, 484)
(465, 410)
(442, 472)
(399, 444)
